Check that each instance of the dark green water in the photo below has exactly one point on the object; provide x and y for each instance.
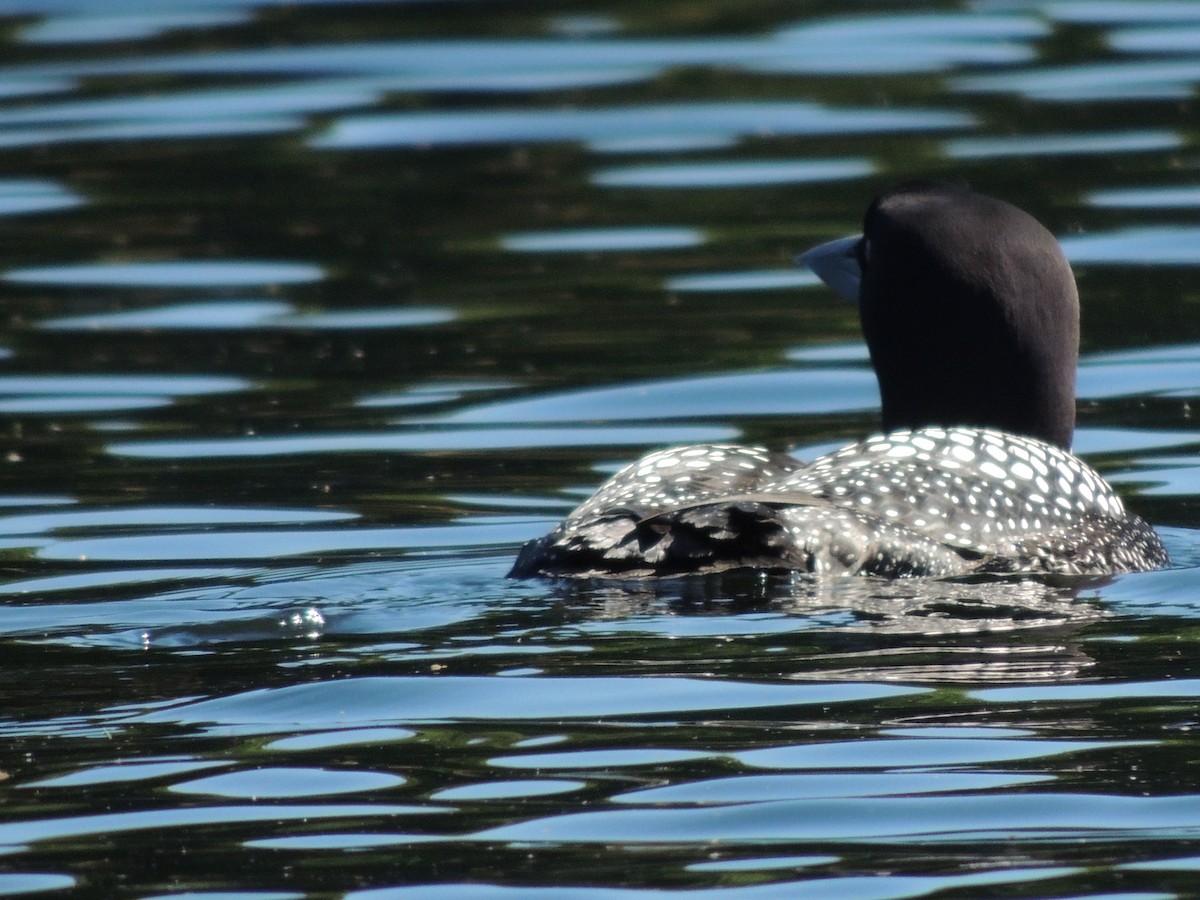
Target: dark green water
(312, 313)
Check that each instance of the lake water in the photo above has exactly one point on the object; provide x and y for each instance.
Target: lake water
(313, 312)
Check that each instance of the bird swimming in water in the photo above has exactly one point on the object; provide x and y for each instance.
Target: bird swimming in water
(970, 313)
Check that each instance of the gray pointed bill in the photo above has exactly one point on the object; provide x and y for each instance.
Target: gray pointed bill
(836, 264)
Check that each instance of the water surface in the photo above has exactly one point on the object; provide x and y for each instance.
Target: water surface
(315, 311)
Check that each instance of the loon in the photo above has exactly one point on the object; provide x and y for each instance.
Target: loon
(971, 316)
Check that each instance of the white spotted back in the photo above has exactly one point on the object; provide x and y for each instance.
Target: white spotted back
(969, 488)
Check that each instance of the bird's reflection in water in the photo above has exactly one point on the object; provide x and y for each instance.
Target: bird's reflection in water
(990, 631)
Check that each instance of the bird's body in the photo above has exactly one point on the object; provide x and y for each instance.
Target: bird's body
(971, 316)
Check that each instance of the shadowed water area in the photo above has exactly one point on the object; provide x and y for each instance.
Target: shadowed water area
(314, 312)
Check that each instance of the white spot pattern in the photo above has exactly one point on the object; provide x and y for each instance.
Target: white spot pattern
(929, 501)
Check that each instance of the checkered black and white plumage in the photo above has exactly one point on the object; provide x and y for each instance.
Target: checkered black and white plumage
(931, 501)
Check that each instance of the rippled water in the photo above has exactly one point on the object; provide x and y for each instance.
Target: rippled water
(315, 311)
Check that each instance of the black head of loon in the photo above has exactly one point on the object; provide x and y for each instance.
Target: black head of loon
(971, 315)
(968, 307)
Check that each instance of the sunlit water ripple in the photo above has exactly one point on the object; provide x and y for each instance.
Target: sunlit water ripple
(316, 311)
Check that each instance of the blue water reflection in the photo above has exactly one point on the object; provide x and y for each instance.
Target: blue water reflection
(1107, 12)
(1157, 40)
(605, 240)
(115, 823)
(1062, 144)
(759, 788)
(84, 395)
(851, 888)
(499, 790)
(757, 865)
(867, 887)
(370, 701)
(925, 43)
(1181, 197)
(245, 314)
(16, 883)
(205, 546)
(741, 174)
(1142, 246)
(424, 440)
(23, 196)
(230, 105)
(263, 783)
(127, 772)
(173, 273)
(767, 280)
(1149, 80)
(706, 120)
(799, 392)
(316, 310)
(99, 28)
(972, 817)
(166, 130)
